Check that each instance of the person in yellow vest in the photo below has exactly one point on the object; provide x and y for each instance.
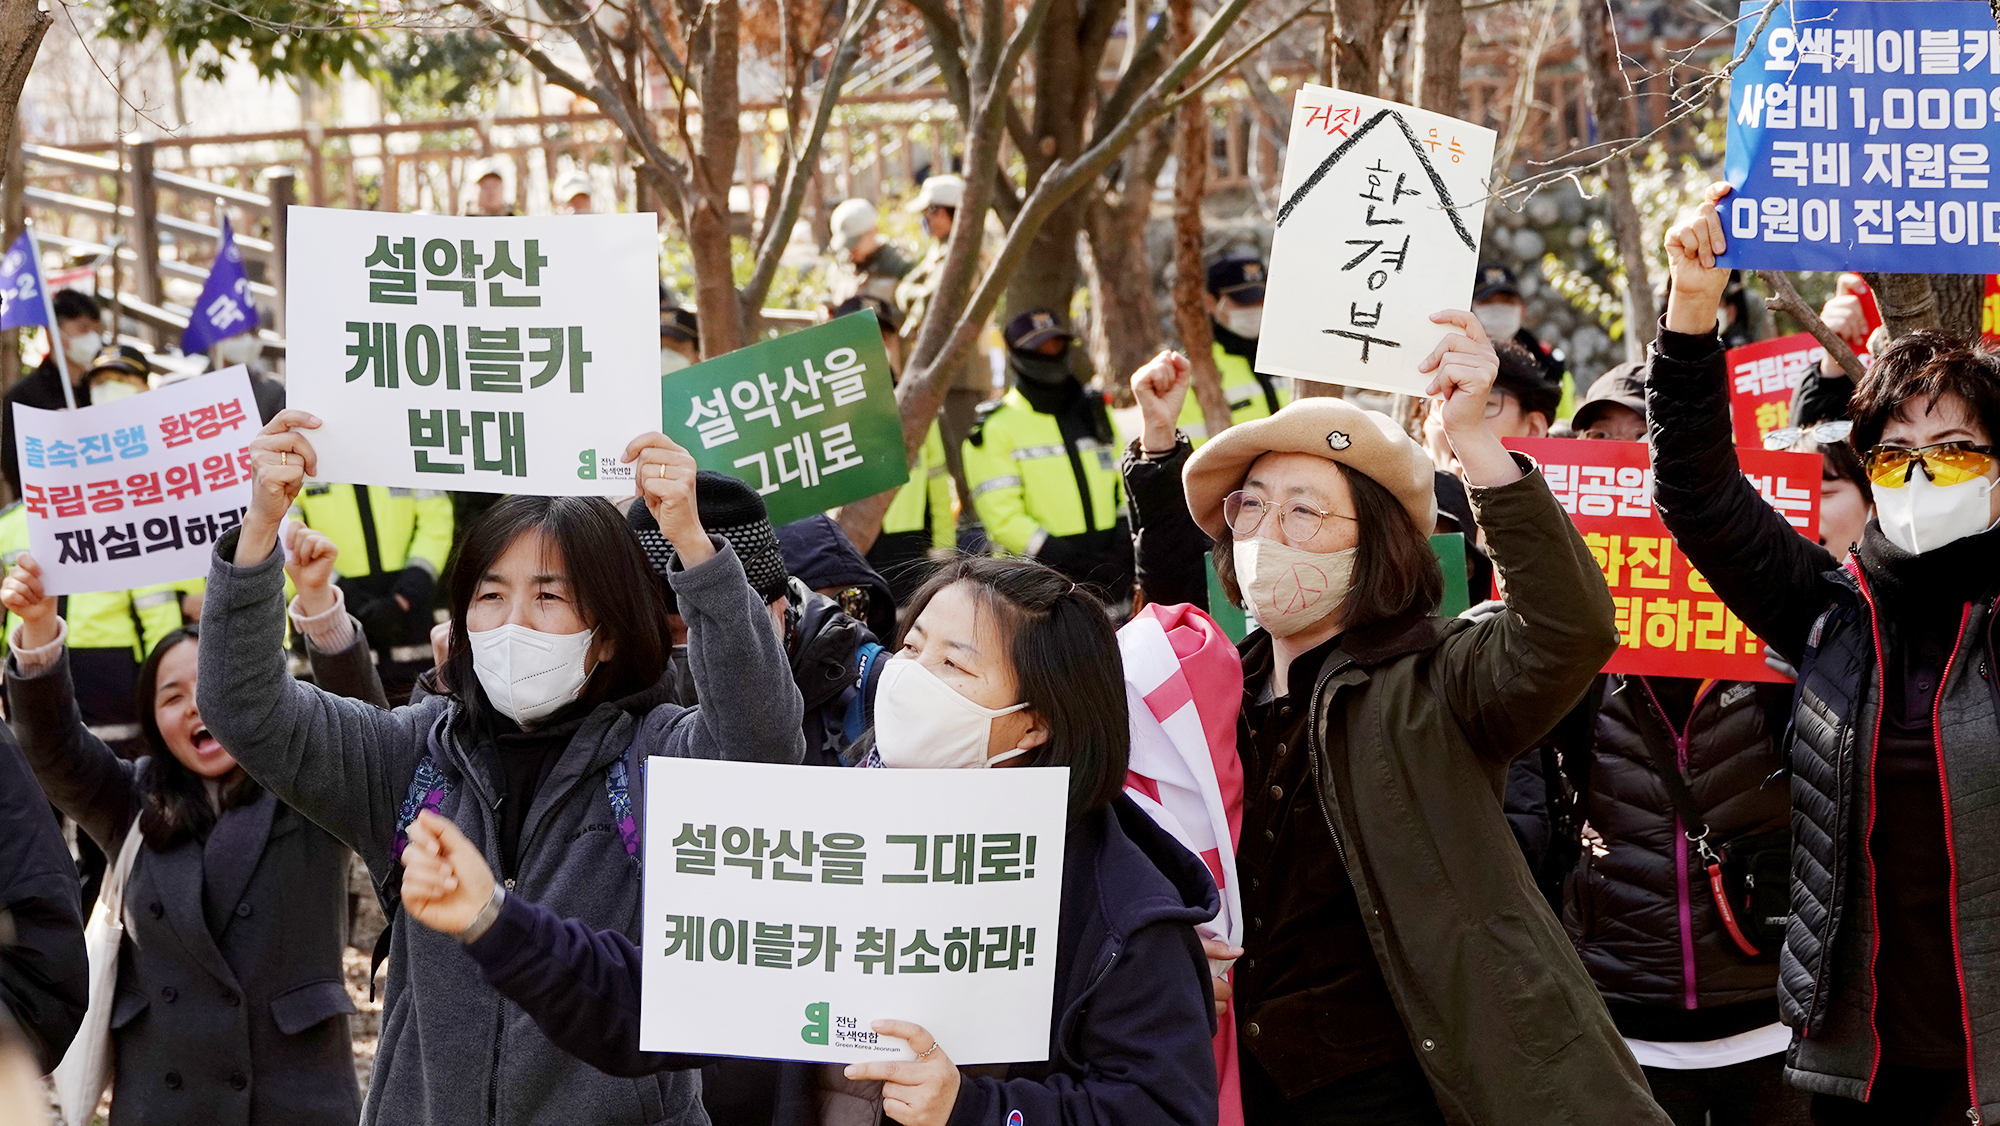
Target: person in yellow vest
(923, 518)
(1043, 464)
(393, 545)
(1234, 298)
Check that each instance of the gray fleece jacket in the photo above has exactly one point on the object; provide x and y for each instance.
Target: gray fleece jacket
(453, 1052)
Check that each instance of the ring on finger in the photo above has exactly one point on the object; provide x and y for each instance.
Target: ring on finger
(926, 1053)
(284, 457)
(662, 472)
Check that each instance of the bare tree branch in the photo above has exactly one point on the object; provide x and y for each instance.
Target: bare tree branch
(1788, 299)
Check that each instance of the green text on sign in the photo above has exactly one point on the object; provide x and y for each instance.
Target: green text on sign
(808, 420)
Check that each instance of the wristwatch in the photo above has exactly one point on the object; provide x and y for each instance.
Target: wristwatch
(483, 921)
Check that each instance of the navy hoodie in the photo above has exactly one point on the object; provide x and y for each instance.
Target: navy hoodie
(1135, 1003)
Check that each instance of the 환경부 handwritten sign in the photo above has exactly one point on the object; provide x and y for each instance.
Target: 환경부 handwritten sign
(808, 419)
(787, 908)
(137, 491)
(1378, 228)
(1672, 623)
(507, 355)
(1862, 136)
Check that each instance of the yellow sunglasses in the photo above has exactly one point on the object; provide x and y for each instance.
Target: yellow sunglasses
(1947, 463)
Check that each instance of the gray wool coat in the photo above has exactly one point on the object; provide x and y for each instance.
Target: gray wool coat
(454, 1052)
(232, 1006)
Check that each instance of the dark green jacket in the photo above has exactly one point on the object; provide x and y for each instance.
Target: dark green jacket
(1415, 723)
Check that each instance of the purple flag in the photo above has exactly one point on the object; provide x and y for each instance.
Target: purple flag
(21, 299)
(225, 308)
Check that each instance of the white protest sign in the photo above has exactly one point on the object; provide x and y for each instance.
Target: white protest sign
(787, 908)
(1378, 228)
(137, 491)
(506, 355)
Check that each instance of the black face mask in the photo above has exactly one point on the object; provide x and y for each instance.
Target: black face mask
(1045, 371)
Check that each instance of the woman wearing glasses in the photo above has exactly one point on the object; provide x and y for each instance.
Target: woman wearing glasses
(1399, 964)
(1890, 974)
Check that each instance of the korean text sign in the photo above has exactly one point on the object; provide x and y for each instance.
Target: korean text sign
(1862, 136)
(788, 907)
(1762, 377)
(507, 355)
(1672, 623)
(1378, 229)
(136, 492)
(808, 420)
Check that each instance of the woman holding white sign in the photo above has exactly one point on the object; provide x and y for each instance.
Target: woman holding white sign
(556, 686)
(1006, 664)
(230, 1008)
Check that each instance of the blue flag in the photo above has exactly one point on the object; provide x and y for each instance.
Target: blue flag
(21, 300)
(224, 308)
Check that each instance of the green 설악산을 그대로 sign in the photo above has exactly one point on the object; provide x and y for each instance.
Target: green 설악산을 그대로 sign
(808, 420)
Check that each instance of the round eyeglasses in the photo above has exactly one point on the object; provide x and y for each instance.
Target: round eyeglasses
(1245, 513)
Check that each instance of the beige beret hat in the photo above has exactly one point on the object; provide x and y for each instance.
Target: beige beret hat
(1365, 441)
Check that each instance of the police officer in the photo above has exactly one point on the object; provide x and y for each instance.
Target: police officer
(1234, 299)
(393, 543)
(923, 517)
(1043, 463)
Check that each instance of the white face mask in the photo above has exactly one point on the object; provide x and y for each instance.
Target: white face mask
(83, 348)
(1246, 322)
(110, 391)
(1288, 589)
(923, 723)
(671, 361)
(239, 349)
(1923, 516)
(528, 674)
(1501, 319)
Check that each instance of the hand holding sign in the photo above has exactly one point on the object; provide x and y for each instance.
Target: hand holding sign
(1466, 366)
(919, 1092)
(281, 459)
(23, 596)
(1161, 387)
(666, 480)
(446, 883)
(1695, 282)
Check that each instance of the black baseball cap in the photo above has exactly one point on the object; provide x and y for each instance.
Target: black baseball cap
(1494, 280)
(1239, 279)
(680, 324)
(1522, 376)
(1034, 327)
(883, 310)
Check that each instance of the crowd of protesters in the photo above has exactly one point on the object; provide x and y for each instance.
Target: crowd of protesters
(1472, 877)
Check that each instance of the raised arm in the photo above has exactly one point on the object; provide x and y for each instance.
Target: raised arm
(83, 777)
(1769, 575)
(1168, 547)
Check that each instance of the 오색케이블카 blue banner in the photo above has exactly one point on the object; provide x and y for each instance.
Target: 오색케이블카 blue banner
(1862, 136)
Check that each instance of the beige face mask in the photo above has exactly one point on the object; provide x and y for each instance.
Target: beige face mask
(1288, 589)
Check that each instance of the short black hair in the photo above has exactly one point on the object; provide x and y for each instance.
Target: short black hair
(73, 303)
(1064, 654)
(1395, 571)
(615, 590)
(1930, 364)
(1521, 376)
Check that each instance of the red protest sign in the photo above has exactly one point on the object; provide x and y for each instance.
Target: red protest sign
(1762, 377)
(1673, 623)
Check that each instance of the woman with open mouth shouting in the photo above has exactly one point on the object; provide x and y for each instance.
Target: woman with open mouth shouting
(231, 1007)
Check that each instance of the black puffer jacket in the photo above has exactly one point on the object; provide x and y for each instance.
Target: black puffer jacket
(1821, 617)
(1642, 914)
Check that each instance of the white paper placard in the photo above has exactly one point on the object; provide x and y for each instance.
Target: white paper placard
(507, 355)
(775, 894)
(1378, 228)
(136, 492)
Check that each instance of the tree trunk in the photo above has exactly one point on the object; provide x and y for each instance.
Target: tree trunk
(22, 25)
(1438, 45)
(1066, 56)
(712, 55)
(1354, 39)
(1959, 298)
(1907, 301)
(1192, 138)
(1611, 106)
(1125, 321)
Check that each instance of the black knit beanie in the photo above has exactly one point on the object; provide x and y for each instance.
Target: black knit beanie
(730, 509)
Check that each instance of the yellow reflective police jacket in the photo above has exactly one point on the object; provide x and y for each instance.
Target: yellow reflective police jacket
(403, 527)
(1025, 485)
(1246, 394)
(927, 496)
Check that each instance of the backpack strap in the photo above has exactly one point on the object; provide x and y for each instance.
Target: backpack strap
(868, 664)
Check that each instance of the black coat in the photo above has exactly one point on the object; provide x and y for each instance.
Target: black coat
(1624, 908)
(1821, 617)
(44, 973)
(42, 388)
(232, 1005)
